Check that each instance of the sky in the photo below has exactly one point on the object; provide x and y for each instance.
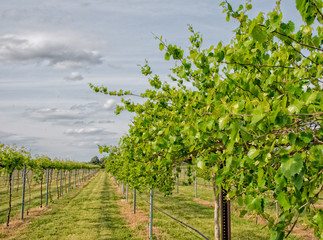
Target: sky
(51, 50)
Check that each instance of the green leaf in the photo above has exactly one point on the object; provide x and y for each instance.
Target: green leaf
(223, 121)
(292, 166)
(172, 139)
(256, 204)
(277, 235)
(259, 34)
(257, 117)
(283, 200)
(290, 27)
(307, 10)
(209, 124)
(161, 46)
(167, 56)
(306, 137)
(253, 153)
(298, 181)
(291, 139)
(200, 162)
(318, 220)
(219, 56)
(293, 109)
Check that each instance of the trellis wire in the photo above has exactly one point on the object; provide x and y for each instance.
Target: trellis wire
(186, 225)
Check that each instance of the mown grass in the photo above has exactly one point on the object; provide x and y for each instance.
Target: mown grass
(196, 215)
(93, 213)
(89, 214)
(199, 216)
(32, 193)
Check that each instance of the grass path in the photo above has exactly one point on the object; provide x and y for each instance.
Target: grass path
(91, 214)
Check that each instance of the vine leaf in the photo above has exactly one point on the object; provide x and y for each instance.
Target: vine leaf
(292, 166)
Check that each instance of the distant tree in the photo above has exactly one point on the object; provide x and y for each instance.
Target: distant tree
(95, 160)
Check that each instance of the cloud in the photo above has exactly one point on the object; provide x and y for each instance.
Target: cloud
(106, 121)
(83, 107)
(11, 138)
(109, 104)
(88, 132)
(59, 52)
(115, 66)
(47, 114)
(74, 76)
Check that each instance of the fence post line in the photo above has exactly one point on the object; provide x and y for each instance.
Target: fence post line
(134, 201)
(23, 193)
(127, 188)
(74, 178)
(122, 188)
(47, 187)
(195, 185)
(151, 213)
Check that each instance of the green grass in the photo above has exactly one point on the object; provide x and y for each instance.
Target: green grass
(196, 215)
(32, 192)
(90, 214)
(199, 216)
(237, 224)
(93, 213)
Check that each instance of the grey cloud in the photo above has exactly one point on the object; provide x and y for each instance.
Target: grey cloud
(83, 123)
(74, 76)
(11, 138)
(58, 52)
(106, 121)
(51, 114)
(88, 132)
(83, 107)
(77, 115)
(115, 66)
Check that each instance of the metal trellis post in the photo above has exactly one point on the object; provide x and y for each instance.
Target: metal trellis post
(60, 187)
(69, 180)
(23, 194)
(195, 185)
(177, 183)
(151, 213)
(226, 216)
(127, 188)
(134, 201)
(47, 187)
